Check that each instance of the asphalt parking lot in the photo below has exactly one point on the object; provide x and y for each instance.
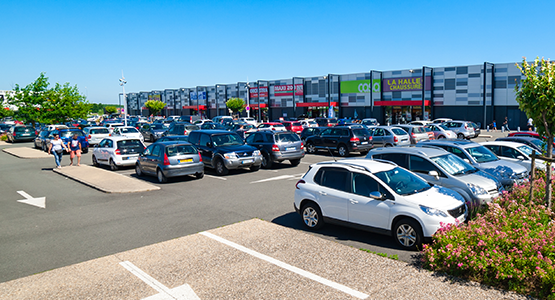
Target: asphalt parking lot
(80, 223)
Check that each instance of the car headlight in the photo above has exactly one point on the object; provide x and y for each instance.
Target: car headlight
(476, 190)
(433, 212)
(256, 153)
(231, 155)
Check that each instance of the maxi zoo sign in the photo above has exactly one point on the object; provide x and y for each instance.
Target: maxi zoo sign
(360, 86)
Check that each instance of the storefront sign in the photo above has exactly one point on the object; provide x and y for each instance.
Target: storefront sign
(406, 84)
(262, 91)
(287, 90)
(360, 86)
(154, 97)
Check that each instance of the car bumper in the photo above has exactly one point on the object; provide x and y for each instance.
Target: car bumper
(182, 170)
(244, 162)
(130, 161)
(433, 224)
(288, 155)
(359, 147)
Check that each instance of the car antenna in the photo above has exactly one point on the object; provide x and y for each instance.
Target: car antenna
(331, 154)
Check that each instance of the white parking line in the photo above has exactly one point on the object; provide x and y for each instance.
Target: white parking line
(277, 178)
(217, 177)
(289, 267)
(183, 292)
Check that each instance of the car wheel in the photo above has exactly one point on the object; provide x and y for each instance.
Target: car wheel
(310, 148)
(44, 148)
(138, 170)
(221, 170)
(440, 137)
(460, 136)
(388, 145)
(36, 147)
(295, 162)
(343, 151)
(95, 162)
(312, 216)
(408, 234)
(151, 139)
(255, 168)
(266, 161)
(199, 175)
(86, 150)
(113, 165)
(161, 177)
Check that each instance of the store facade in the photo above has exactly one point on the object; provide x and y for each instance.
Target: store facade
(480, 93)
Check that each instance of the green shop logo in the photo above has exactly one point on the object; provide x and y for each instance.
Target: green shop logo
(360, 86)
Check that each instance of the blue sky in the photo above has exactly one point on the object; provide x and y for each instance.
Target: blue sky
(172, 44)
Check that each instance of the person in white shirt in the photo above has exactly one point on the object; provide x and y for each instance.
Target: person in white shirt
(57, 147)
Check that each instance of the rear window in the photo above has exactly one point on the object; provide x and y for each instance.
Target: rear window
(296, 124)
(180, 150)
(23, 129)
(100, 131)
(130, 146)
(281, 138)
(128, 130)
(399, 131)
(192, 127)
(157, 126)
(361, 132)
(418, 130)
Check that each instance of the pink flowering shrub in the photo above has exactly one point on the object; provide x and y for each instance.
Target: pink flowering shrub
(510, 245)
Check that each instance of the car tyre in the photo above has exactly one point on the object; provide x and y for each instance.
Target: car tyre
(408, 234)
(295, 162)
(388, 145)
(310, 148)
(460, 136)
(312, 216)
(151, 138)
(138, 170)
(113, 165)
(161, 177)
(440, 137)
(267, 162)
(199, 175)
(343, 150)
(94, 161)
(255, 168)
(221, 170)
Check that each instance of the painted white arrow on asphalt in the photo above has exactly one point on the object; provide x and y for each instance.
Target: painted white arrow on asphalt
(38, 202)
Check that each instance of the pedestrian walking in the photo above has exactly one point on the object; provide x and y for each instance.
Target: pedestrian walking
(506, 124)
(57, 147)
(75, 150)
(494, 127)
(530, 124)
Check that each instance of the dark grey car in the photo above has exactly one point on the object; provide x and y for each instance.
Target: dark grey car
(152, 132)
(277, 147)
(389, 136)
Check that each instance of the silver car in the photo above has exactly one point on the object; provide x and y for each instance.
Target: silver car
(417, 133)
(96, 134)
(441, 132)
(463, 129)
(508, 173)
(389, 136)
(442, 168)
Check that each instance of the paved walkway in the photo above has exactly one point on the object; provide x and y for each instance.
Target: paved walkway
(26, 152)
(253, 259)
(104, 180)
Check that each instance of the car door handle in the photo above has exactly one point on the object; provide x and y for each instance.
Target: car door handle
(353, 201)
(322, 193)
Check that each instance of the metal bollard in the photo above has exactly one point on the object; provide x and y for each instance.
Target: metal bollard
(502, 128)
(518, 128)
(488, 128)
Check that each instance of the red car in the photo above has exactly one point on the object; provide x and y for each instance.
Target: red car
(525, 133)
(293, 126)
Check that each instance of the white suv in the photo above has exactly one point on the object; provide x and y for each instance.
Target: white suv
(379, 197)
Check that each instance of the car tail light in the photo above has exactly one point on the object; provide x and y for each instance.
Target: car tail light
(14, 134)
(118, 152)
(465, 127)
(413, 135)
(166, 160)
(302, 145)
(395, 139)
(273, 128)
(369, 138)
(86, 139)
(299, 182)
(89, 136)
(275, 148)
(36, 132)
(200, 157)
(354, 140)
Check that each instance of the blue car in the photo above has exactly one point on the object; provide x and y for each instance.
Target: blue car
(67, 134)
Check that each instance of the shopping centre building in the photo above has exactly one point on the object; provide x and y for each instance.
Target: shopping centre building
(479, 93)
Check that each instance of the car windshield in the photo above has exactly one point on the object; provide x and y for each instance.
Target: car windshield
(131, 146)
(128, 130)
(538, 143)
(226, 140)
(402, 181)
(399, 131)
(99, 131)
(526, 149)
(287, 138)
(443, 127)
(482, 154)
(453, 164)
(180, 150)
(157, 126)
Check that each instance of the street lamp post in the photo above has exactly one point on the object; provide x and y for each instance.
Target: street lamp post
(424, 91)
(122, 82)
(267, 97)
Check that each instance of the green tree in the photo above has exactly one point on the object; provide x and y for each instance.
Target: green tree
(236, 105)
(535, 95)
(154, 106)
(29, 100)
(110, 110)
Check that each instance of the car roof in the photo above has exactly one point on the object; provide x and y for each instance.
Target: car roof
(503, 143)
(517, 137)
(120, 138)
(171, 143)
(451, 142)
(370, 165)
(423, 151)
(214, 131)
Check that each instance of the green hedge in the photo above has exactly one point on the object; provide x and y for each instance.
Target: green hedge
(511, 245)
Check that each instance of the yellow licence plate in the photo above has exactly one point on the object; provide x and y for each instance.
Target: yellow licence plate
(186, 160)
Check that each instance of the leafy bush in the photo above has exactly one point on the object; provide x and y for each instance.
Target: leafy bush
(3, 137)
(511, 245)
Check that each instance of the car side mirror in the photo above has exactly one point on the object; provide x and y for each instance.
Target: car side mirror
(467, 160)
(376, 195)
(520, 157)
(209, 145)
(435, 174)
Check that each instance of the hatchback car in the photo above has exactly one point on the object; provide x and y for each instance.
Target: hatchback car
(275, 126)
(326, 122)
(95, 134)
(463, 129)
(40, 140)
(440, 167)
(20, 134)
(152, 132)
(508, 173)
(343, 139)
(389, 136)
(514, 152)
(378, 197)
(277, 147)
(170, 159)
(417, 133)
(441, 132)
(180, 129)
(117, 152)
(293, 126)
(130, 132)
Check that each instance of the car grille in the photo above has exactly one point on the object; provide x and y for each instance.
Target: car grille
(244, 154)
(457, 212)
(493, 192)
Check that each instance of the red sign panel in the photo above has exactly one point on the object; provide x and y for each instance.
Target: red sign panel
(255, 92)
(287, 90)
